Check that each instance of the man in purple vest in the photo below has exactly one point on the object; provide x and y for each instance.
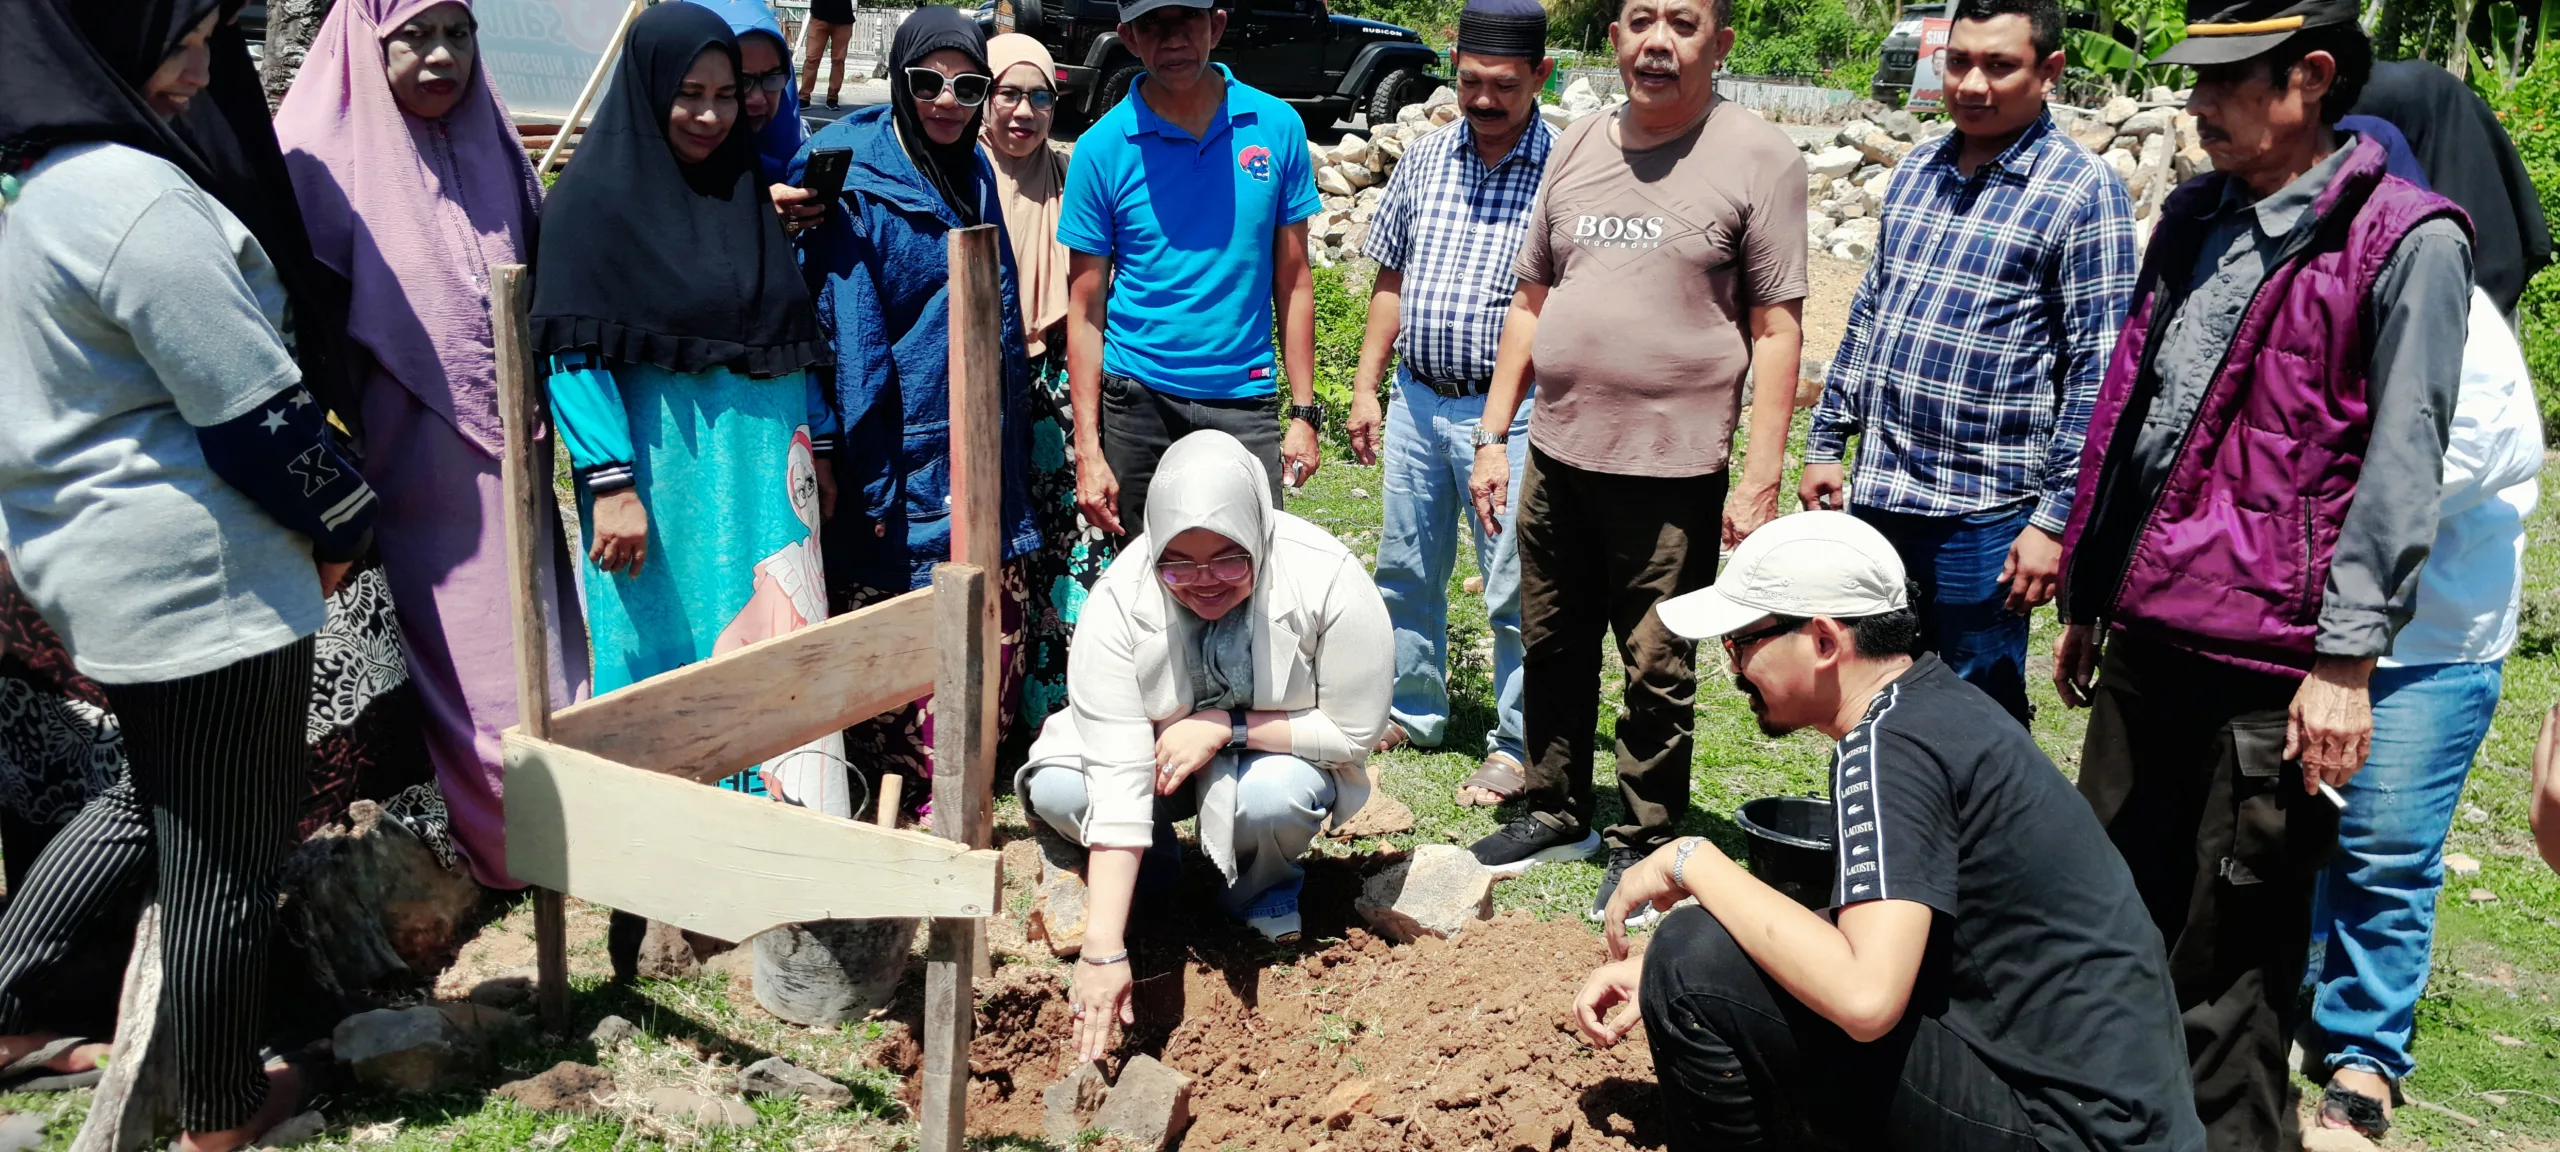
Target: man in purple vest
(2256, 497)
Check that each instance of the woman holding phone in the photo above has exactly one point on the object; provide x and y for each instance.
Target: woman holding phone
(879, 267)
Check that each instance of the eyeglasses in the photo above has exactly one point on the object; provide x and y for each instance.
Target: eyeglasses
(1735, 642)
(970, 90)
(1225, 569)
(1040, 99)
(774, 81)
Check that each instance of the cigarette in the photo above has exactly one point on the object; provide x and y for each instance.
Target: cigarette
(2333, 795)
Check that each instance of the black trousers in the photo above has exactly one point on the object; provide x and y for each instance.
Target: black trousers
(2185, 766)
(213, 767)
(1597, 552)
(1139, 423)
(1744, 1064)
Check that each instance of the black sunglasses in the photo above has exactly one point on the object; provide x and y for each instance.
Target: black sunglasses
(1736, 641)
(970, 90)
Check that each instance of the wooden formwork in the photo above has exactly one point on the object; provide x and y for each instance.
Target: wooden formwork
(611, 800)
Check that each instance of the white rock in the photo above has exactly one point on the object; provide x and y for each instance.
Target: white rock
(1554, 115)
(1351, 149)
(2149, 122)
(1832, 163)
(2162, 95)
(1334, 181)
(1580, 99)
(1364, 212)
(2093, 133)
(1866, 173)
(1414, 115)
(1438, 891)
(1855, 239)
(2119, 110)
(2123, 162)
(2189, 163)
(1874, 188)
(2142, 230)
(2461, 864)
(1817, 228)
(2188, 135)
(1391, 145)
(1854, 131)
(1441, 97)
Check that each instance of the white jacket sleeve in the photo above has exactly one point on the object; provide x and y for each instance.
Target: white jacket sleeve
(1116, 738)
(1354, 672)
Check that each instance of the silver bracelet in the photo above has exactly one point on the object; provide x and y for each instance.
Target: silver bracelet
(1680, 859)
(1119, 957)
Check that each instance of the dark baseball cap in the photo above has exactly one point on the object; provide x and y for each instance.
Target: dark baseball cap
(1130, 10)
(2223, 32)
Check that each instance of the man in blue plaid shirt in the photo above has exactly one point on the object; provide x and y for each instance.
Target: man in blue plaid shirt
(1976, 345)
(1445, 235)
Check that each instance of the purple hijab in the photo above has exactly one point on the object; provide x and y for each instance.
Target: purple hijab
(412, 212)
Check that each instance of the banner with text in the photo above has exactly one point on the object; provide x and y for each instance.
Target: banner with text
(539, 52)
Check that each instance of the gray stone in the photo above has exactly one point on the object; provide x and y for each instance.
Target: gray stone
(671, 953)
(1437, 891)
(1332, 181)
(1817, 227)
(2094, 134)
(380, 913)
(2119, 110)
(1068, 1106)
(1853, 131)
(1149, 1107)
(1876, 144)
(1855, 240)
(1441, 97)
(2160, 94)
(2190, 163)
(2189, 134)
(1901, 125)
(1415, 116)
(611, 1032)
(1554, 115)
(482, 1023)
(21, 1132)
(578, 1089)
(1833, 163)
(699, 1110)
(405, 1050)
(2123, 162)
(775, 1076)
(510, 989)
(826, 972)
(300, 1129)
(1360, 175)
(2149, 122)
(1392, 145)
(1579, 98)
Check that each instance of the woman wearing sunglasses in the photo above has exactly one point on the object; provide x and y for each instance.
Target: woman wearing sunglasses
(1234, 663)
(1030, 177)
(878, 267)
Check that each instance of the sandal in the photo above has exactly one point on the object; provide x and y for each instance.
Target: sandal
(29, 1073)
(1500, 774)
(2346, 1108)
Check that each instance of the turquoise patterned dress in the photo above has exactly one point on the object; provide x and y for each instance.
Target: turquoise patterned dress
(726, 468)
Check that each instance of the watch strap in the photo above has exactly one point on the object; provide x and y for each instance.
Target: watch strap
(1313, 414)
(1242, 731)
(1680, 861)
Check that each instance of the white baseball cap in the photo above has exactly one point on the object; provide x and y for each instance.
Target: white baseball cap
(1805, 565)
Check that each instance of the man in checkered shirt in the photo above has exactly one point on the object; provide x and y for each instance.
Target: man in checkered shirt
(1976, 345)
(1444, 238)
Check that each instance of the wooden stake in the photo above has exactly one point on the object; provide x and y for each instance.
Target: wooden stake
(525, 472)
(587, 95)
(964, 751)
(133, 1098)
(977, 515)
(892, 789)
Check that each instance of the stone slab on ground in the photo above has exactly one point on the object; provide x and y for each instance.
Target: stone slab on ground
(1436, 892)
(1383, 815)
(380, 915)
(699, 1110)
(2319, 1139)
(299, 1129)
(1349, 1098)
(405, 1049)
(611, 1032)
(1149, 1107)
(482, 1023)
(775, 1076)
(565, 1087)
(1068, 1106)
(512, 988)
(1058, 911)
(21, 1132)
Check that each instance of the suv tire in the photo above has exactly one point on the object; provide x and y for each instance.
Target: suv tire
(1115, 88)
(1399, 87)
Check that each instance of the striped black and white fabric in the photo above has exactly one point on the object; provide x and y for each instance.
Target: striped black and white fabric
(215, 765)
(1453, 226)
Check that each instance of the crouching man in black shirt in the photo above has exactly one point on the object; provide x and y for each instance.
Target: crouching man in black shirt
(1987, 978)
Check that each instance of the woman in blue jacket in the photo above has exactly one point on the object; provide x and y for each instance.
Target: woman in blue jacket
(879, 269)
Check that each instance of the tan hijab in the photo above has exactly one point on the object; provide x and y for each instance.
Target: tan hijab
(1030, 190)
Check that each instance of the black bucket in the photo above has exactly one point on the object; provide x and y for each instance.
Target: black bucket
(1791, 846)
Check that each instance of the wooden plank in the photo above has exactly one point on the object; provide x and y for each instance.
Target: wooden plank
(977, 401)
(964, 705)
(524, 471)
(721, 863)
(705, 721)
(136, 1095)
(950, 1016)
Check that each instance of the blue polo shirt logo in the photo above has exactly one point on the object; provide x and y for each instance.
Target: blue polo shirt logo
(1256, 162)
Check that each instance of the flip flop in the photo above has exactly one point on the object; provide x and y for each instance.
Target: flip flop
(1500, 774)
(29, 1074)
(2343, 1107)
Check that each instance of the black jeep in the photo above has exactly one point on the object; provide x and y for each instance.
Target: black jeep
(1328, 66)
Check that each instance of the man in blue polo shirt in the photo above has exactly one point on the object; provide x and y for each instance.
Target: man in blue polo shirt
(1185, 218)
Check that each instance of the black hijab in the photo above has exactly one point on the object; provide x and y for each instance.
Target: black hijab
(72, 72)
(952, 168)
(646, 259)
(2468, 158)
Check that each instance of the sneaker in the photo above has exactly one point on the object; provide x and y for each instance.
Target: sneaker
(1621, 858)
(1528, 841)
(831, 101)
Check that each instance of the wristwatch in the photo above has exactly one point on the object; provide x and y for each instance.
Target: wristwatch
(1235, 717)
(1313, 414)
(1680, 860)
(1486, 435)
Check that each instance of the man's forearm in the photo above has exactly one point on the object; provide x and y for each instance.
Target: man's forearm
(1777, 359)
(1386, 322)
(1085, 312)
(1511, 362)
(1815, 960)
(1298, 338)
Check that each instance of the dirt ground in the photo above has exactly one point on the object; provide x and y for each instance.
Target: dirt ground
(1357, 1045)
(1826, 305)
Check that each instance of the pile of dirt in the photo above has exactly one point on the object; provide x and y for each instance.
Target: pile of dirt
(1360, 1045)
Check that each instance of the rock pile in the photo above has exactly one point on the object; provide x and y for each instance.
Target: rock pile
(2151, 145)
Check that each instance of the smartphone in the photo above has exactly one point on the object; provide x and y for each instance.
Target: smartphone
(825, 174)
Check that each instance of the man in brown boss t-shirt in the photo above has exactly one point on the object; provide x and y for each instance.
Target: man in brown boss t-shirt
(1665, 259)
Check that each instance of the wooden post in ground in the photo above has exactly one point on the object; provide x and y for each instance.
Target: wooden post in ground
(587, 95)
(133, 1098)
(525, 472)
(964, 698)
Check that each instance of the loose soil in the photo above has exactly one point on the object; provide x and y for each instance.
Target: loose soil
(1455, 1044)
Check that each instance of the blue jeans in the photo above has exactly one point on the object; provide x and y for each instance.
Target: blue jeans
(2376, 901)
(1429, 455)
(1964, 610)
(1281, 803)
